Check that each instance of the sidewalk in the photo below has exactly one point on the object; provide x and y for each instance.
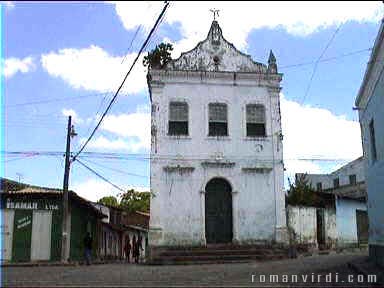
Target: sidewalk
(316, 252)
(367, 267)
(58, 263)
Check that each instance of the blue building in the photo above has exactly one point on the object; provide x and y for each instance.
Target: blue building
(345, 223)
(370, 103)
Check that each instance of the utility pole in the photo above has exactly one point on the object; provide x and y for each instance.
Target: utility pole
(19, 175)
(66, 213)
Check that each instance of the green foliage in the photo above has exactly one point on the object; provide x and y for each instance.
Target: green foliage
(158, 57)
(135, 201)
(109, 201)
(301, 193)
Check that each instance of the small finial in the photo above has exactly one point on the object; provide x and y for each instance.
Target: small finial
(272, 67)
(272, 58)
(215, 12)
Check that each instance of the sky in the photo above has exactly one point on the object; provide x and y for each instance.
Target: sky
(61, 59)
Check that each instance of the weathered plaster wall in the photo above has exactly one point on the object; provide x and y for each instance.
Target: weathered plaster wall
(215, 71)
(346, 221)
(330, 227)
(374, 110)
(303, 221)
(178, 207)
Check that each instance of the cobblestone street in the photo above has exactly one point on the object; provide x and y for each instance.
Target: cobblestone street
(236, 274)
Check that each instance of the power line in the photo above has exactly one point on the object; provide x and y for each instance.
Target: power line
(100, 176)
(326, 59)
(114, 169)
(317, 62)
(19, 158)
(122, 83)
(138, 156)
(161, 20)
(130, 45)
(55, 100)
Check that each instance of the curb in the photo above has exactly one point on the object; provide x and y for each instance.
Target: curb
(36, 264)
(359, 268)
(70, 264)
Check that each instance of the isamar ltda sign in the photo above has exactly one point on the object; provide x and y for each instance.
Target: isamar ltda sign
(30, 205)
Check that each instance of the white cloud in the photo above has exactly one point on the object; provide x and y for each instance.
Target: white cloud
(75, 118)
(102, 142)
(132, 15)
(237, 19)
(94, 69)
(15, 65)
(94, 189)
(133, 131)
(311, 132)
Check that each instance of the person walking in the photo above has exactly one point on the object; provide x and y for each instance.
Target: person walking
(88, 248)
(139, 245)
(135, 251)
(128, 248)
(137, 248)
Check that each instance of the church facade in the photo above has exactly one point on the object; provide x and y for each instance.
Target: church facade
(216, 148)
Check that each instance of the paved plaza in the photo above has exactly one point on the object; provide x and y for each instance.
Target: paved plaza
(230, 274)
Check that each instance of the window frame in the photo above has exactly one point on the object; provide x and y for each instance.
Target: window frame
(372, 140)
(352, 176)
(246, 121)
(336, 180)
(175, 121)
(209, 121)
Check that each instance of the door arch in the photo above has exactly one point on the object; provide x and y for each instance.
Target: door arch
(218, 211)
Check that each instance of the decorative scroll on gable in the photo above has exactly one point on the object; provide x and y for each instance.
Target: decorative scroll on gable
(216, 54)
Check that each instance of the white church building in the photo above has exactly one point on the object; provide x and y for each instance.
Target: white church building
(216, 150)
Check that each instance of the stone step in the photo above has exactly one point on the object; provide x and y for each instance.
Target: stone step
(229, 246)
(197, 262)
(222, 252)
(209, 259)
(219, 253)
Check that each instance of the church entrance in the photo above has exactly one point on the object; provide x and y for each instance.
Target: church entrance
(218, 211)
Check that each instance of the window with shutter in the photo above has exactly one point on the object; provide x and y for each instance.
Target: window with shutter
(336, 183)
(178, 118)
(352, 179)
(255, 114)
(218, 123)
(372, 141)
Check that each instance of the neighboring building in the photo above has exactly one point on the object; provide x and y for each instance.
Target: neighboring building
(111, 233)
(32, 223)
(313, 227)
(137, 224)
(216, 149)
(370, 103)
(117, 228)
(347, 185)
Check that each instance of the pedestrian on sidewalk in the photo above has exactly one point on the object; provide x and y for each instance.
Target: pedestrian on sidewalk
(135, 251)
(140, 244)
(128, 248)
(137, 247)
(88, 248)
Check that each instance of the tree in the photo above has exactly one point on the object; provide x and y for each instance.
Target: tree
(109, 201)
(301, 193)
(135, 201)
(158, 57)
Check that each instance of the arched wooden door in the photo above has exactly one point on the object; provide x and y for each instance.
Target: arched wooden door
(218, 211)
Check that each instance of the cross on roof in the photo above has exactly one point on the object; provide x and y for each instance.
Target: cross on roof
(215, 12)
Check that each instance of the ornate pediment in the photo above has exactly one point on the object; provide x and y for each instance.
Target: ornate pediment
(216, 54)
